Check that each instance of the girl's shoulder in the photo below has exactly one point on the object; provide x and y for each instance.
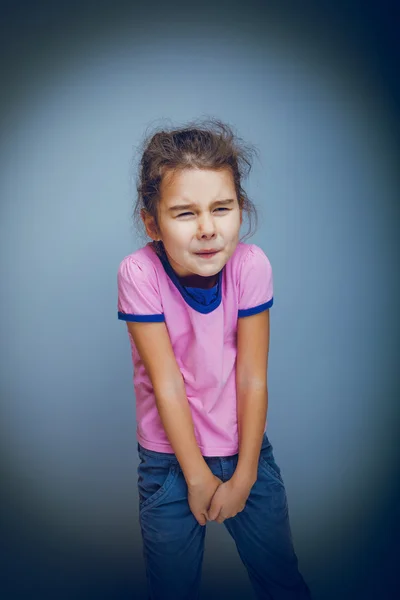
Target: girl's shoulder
(251, 272)
(144, 260)
(249, 257)
(140, 271)
(139, 296)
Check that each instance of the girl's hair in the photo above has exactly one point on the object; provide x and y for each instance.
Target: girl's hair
(205, 144)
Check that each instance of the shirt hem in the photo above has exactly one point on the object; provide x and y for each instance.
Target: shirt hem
(167, 448)
(247, 312)
(141, 318)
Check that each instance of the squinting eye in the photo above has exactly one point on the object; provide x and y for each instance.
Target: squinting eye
(220, 208)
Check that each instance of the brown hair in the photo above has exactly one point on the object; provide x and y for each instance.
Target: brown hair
(205, 144)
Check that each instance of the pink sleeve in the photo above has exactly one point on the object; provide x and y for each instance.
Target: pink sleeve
(256, 283)
(138, 294)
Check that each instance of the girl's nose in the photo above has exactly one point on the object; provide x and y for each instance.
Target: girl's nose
(206, 228)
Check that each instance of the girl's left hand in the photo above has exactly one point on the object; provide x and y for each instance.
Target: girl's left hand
(229, 499)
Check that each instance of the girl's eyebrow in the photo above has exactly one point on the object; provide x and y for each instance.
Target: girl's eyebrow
(193, 204)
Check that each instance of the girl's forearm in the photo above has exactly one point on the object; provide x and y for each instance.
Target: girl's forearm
(173, 408)
(252, 406)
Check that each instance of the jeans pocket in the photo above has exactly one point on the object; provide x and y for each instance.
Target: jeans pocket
(267, 462)
(155, 478)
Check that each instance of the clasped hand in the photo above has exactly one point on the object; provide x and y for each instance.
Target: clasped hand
(214, 500)
(229, 500)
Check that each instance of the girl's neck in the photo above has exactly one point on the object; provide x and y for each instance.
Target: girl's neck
(196, 281)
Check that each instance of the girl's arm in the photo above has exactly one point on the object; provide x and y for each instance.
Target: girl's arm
(154, 346)
(252, 391)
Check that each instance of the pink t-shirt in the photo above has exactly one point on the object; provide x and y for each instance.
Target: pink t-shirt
(203, 339)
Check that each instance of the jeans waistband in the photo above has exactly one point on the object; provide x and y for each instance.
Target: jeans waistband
(171, 458)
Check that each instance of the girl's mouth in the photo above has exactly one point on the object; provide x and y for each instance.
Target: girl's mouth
(208, 254)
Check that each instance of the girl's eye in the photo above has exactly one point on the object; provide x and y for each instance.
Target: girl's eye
(220, 208)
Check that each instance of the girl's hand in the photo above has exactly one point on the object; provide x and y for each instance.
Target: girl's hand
(200, 495)
(229, 499)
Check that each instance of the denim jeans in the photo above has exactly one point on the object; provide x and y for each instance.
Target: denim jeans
(173, 541)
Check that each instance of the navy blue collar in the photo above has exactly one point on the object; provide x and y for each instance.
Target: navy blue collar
(189, 299)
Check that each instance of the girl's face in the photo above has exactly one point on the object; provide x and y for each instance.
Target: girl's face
(198, 212)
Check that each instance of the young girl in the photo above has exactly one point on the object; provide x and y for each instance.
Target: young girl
(196, 302)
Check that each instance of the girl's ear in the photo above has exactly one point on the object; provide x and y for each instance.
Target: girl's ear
(150, 225)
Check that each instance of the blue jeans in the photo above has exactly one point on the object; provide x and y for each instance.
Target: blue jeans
(173, 541)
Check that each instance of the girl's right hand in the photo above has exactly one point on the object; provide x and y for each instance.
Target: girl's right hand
(200, 496)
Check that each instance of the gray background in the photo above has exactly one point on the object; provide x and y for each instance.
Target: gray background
(315, 90)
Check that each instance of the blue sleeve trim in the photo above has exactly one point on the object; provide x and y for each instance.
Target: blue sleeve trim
(256, 309)
(141, 318)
